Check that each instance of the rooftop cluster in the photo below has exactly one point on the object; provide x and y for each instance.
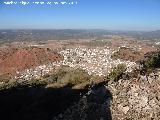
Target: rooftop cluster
(96, 61)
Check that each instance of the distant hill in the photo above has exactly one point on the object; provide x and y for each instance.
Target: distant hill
(14, 59)
(41, 35)
(147, 35)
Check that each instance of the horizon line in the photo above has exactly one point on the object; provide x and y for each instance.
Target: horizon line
(116, 30)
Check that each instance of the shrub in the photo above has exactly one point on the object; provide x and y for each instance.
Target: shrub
(49, 78)
(64, 76)
(150, 62)
(78, 76)
(117, 72)
(4, 78)
(153, 61)
(72, 77)
(16, 84)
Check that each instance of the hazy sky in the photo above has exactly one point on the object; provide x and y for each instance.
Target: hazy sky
(86, 14)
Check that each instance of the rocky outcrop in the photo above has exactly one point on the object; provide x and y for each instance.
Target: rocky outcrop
(135, 99)
(94, 105)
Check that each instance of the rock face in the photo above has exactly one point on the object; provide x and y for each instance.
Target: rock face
(122, 100)
(18, 59)
(95, 105)
(135, 100)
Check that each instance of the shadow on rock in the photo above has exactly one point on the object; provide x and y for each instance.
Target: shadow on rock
(40, 103)
(94, 105)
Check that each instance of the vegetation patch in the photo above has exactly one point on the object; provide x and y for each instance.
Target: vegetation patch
(117, 72)
(150, 62)
(99, 43)
(126, 54)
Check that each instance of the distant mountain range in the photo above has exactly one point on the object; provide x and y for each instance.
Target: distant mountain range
(62, 34)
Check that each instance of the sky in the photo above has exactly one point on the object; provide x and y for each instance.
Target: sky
(131, 15)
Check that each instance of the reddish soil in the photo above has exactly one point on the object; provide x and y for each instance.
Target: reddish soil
(17, 59)
(128, 54)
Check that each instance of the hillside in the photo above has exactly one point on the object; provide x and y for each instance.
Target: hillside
(72, 93)
(18, 59)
